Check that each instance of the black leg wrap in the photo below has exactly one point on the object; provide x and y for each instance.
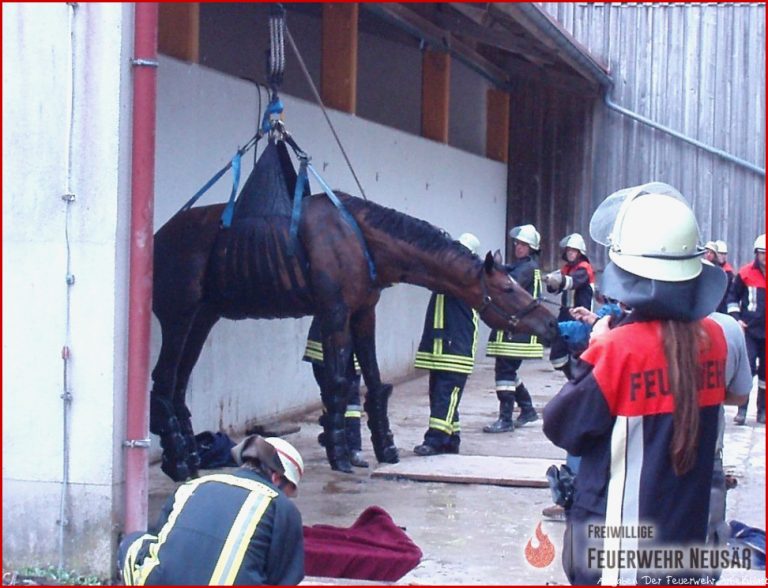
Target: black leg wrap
(163, 422)
(161, 413)
(335, 441)
(378, 422)
(174, 453)
(193, 457)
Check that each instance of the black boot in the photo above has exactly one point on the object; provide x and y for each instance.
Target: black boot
(741, 415)
(528, 414)
(454, 443)
(504, 423)
(761, 405)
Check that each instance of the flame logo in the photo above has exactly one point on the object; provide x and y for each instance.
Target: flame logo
(541, 556)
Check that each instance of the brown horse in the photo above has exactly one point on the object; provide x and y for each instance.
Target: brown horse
(203, 272)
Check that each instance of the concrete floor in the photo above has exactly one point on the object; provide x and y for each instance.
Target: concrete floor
(473, 534)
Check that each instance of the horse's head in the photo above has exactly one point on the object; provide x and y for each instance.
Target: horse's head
(506, 305)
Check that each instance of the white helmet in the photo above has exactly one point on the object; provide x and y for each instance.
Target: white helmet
(760, 243)
(722, 247)
(574, 241)
(470, 242)
(526, 234)
(651, 232)
(277, 454)
(712, 246)
(293, 465)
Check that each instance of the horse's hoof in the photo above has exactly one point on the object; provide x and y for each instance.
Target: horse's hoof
(177, 471)
(193, 461)
(342, 465)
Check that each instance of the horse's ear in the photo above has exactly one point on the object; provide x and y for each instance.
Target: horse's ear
(497, 257)
(489, 262)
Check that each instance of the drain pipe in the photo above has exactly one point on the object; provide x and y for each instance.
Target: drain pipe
(144, 65)
(554, 32)
(708, 148)
(563, 42)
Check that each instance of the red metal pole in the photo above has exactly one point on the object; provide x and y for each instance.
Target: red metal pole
(140, 279)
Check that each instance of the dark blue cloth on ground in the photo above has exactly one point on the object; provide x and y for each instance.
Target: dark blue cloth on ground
(215, 450)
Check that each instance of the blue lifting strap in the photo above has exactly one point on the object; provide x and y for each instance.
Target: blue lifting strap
(229, 209)
(217, 176)
(347, 217)
(298, 196)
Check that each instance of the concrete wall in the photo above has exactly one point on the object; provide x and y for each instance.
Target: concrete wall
(56, 64)
(252, 370)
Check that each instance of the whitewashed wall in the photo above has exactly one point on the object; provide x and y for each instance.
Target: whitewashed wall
(40, 47)
(252, 370)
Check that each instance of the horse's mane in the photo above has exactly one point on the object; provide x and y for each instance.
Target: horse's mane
(417, 232)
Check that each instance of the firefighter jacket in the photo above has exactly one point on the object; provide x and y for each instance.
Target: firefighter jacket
(526, 273)
(313, 352)
(449, 340)
(729, 273)
(746, 299)
(577, 287)
(618, 416)
(222, 529)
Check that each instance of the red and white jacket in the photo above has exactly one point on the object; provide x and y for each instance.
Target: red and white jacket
(618, 416)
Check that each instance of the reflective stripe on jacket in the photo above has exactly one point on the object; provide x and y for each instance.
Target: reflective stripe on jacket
(222, 529)
(746, 299)
(507, 343)
(449, 339)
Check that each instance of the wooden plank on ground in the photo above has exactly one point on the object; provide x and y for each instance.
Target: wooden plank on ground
(470, 469)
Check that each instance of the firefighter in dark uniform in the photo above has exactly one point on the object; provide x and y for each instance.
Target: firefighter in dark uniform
(313, 353)
(576, 281)
(447, 350)
(510, 349)
(746, 303)
(712, 255)
(224, 529)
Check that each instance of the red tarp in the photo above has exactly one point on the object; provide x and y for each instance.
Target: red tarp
(373, 548)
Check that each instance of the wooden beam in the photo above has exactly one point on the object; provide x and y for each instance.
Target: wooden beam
(425, 29)
(497, 125)
(507, 10)
(435, 94)
(339, 63)
(463, 23)
(178, 31)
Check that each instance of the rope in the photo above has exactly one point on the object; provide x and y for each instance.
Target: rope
(69, 198)
(322, 107)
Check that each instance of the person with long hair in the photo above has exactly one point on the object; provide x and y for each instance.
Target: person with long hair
(642, 410)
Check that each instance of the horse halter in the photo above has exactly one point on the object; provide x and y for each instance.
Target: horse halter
(488, 303)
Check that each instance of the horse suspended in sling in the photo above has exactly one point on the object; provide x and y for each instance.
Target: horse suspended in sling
(203, 272)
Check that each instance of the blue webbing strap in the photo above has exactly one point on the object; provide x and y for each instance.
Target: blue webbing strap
(347, 217)
(275, 107)
(229, 209)
(222, 171)
(298, 196)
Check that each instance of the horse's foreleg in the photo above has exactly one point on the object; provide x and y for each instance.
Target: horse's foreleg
(162, 415)
(377, 396)
(201, 327)
(337, 353)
